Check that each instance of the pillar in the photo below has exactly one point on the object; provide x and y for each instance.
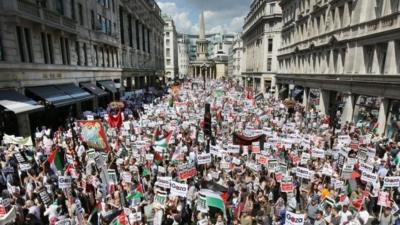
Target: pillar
(324, 102)
(375, 61)
(24, 126)
(391, 64)
(78, 109)
(382, 117)
(277, 89)
(348, 110)
(262, 85)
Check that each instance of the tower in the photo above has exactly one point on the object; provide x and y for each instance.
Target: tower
(202, 43)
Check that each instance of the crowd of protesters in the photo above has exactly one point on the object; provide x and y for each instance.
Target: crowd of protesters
(253, 162)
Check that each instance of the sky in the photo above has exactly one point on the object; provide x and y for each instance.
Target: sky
(220, 15)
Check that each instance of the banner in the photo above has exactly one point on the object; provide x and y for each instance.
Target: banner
(204, 158)
(178, 189)
(64, 182)
(93, 134)
(391, 182)
(303, 173)
(294, 219)
(369, 177)
(186, 171)
(11, 139)
(287, 184)
(164, 182)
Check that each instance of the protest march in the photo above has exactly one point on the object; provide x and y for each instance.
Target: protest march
(213, 156)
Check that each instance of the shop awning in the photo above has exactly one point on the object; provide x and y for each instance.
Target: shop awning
(52, 95)
(18, 103)
(109, 85)
(92, 88)
(77, 93)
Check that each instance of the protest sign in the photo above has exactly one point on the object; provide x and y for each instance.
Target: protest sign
(347, 171)
(365, 167)
(160, 198)
(149, 157)
(304, 158)
(318, 153)
(255, 147)
(44, 196)
(262, 160)
(294, 219)
(112, 176)
(186, 171)
(272, 164)
(303, 173)
(164, 182)
(204, 158)
(253, 166)
(383, 199)
(64, 222)
(64, 182)
(20, 158)
(25, 166)
(178, 189)
(391, 182)
(287, 184)
(234, 149)
(369, 177)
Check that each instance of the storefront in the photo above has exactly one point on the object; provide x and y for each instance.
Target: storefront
(100, 99)
(393, 122)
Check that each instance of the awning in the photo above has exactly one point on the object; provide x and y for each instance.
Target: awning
(75, 92)
(18, 103)
(52, 95)
(92, 88)
(109, 85)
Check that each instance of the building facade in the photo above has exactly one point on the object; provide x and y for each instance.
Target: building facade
(261, 38)
(345, 53)
(170, 49)
(61, 57)
(237, 61)
(183, 56)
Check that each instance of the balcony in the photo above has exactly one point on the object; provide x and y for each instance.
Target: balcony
(28, 8)
(51, 17)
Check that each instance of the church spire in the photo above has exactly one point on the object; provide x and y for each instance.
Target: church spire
(202, 34)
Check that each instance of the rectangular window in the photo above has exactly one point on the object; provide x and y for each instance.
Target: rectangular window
(382, 52)
(51, 49)
(85, 54)
(137, 34)
(130, 32)
(44, 48)
(67, 51)
(148, 40)
(60, 6)
(167, 42)
(270, 45)
(121, 24)
(93, 20)
(73, 16)
(168, 52)
(78, 53)
(168, 62)
(368, 58)
(28, 42)
(109, 27)
(143, 38)
(103, 62)
(272, 8)
(80, 10)
(269, 64)
(63, 53)
(21, 44)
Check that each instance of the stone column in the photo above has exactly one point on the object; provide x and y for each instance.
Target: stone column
(262, 85)
(391, 64)
(375, 61)
(382, 118)
(277, 89)
(324, 102)
(24, 126)
(348, 110)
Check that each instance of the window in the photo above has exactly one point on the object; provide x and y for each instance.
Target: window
(96, 53)
(51, 49)
(269, 64)
(167, 42)
(270, 45)
(168, 52)
(45, 48)
(121, 25)
(109, 27)
(65, 55)
(271, 26)
(78, 53)
(73, 16)
(137, 34)
(148, 40)
(85, 54)
(103, 62)
(92, 20)
(1, 50)
(168, 62)
(24, 44)
(394, 5)
(368, 58)
(382, 52)
(272, 8)
(143, 38)
(108, 58)
(60, 6)
(80, 10)
(167, 34)
(130, 34)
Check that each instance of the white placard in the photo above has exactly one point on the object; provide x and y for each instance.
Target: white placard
(164, 182)
(366, 167)
(303, 173)
(204, 158)
(391, 181)
(318, 153)
(369, 177)
(64, 182)
(178, 189)
(234, 149)
(294, 219)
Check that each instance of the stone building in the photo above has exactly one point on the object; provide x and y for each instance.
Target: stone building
(183, 56)
(170, 49)
(346, 55)
(261, 38)
(237, 60)
(61, 57)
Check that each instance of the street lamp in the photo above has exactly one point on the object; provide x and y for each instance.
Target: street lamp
(203, 68)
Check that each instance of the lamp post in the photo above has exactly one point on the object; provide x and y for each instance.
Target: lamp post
(203, 68)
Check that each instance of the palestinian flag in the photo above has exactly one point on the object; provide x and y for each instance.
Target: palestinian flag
(214, 199)
(397, 159)
(164, 142)
(55, 160)
(120, 219)
(134, 196)
(95, 210)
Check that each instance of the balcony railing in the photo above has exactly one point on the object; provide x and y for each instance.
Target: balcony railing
(28, 8)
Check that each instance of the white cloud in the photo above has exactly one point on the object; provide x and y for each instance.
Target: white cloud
(181, 19)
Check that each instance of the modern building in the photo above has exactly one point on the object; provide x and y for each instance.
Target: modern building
(183, 56)
(261, 38)
(59, 58)
(346, 54)
(237, 61)
(170, 49)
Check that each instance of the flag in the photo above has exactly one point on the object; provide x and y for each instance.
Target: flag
(397, 159)
(95, 210)
(115, 120)
(134, 195)
(145, 172)
(163, 143)
(120, 219)
(55, 159)
(214, 199)
(349, 190)
(139, 188)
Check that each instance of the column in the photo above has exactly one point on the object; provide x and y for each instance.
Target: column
(331, 62)
(382, 118)
(24, 127)
(375, 61)
(277, 89)
(348, 110)
(306, 95)
(324, 102)
(391, 64)
(262, 85)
